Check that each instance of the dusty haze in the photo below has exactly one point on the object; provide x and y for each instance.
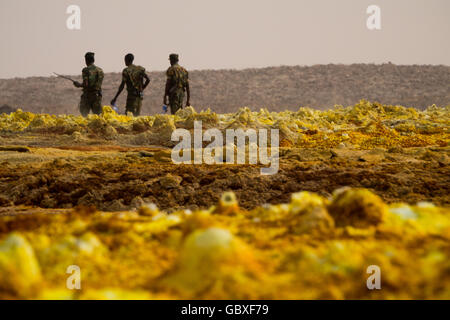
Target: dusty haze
(211, 34)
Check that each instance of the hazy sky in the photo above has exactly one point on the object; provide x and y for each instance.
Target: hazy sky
(217, 34)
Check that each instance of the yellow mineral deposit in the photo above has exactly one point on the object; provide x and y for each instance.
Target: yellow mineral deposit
(366, 125)
(72, 250)
(357, 207)
(200, 219)
(308, 214)
(228, 204)
(293, 251)
(20, 274)
(213, 259)
(143, 242)
(150, 210)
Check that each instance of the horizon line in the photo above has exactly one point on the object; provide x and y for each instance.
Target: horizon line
(255, 68)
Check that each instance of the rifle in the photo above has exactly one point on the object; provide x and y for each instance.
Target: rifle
(64, 77)
(138, 92)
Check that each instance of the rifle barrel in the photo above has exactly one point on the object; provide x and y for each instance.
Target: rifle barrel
(64, 77)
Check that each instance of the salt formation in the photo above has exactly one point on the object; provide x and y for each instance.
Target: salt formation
(311, 247)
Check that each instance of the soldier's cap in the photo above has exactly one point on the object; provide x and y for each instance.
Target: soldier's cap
(173, 56)
(89, 54)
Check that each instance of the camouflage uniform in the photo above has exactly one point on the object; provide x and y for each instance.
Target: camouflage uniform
(133, 76)
(178, 78)
(91, 99)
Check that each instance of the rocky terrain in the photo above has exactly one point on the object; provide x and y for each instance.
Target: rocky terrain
(357, 186)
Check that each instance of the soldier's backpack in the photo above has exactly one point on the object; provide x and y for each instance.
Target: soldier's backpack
(179, 76)
(95, 77)
(134, 73)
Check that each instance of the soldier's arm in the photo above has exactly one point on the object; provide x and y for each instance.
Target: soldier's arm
(101, 76)
(122, 85)
(85, 75)
(166, 91)
(76, 83)
(188, 94)
(147, 81)
(188, 91)
(168, 82)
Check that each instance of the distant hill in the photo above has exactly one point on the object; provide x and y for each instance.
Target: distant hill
(276, 88)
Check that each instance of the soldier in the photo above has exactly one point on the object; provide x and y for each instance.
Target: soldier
(133, 76)
(177, 83)
(91, 99)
